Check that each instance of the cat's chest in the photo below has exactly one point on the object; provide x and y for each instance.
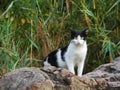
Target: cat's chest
(76, 53)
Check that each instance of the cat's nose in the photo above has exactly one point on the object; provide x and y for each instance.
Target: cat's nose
(80, 42)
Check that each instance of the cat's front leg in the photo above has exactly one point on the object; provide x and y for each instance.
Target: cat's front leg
(80, 68)
(71, 67)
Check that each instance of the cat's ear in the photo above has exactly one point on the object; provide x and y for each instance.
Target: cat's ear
(85, 31)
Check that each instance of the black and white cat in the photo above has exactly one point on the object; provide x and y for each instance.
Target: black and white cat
(71, 56)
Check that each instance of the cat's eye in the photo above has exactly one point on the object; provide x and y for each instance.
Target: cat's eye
(75, 37)
(82, 38)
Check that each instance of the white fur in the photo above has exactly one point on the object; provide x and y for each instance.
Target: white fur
(60, 62)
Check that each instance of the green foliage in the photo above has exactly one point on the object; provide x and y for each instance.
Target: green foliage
(30, 29)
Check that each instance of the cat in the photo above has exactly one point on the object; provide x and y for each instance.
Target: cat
(72, 55)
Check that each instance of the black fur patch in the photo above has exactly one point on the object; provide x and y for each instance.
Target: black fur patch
(63, 50)
(52, 59)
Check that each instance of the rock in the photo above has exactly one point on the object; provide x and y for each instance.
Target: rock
(105, 77)
(107, 73)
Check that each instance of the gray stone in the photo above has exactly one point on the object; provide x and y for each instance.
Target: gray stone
(105, 77)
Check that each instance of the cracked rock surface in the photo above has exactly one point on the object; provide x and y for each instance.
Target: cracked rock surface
(105, 77)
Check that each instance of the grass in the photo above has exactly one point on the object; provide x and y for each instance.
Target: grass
(30, 29)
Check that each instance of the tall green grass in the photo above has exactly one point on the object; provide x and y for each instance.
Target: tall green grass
(30, 29)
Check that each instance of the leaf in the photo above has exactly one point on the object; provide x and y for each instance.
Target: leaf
(9, 7)
(89, 13)
(118, 1)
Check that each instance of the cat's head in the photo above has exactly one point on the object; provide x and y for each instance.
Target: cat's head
(78, 37)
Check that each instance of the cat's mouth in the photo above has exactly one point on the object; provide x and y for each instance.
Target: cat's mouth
(78, 43)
